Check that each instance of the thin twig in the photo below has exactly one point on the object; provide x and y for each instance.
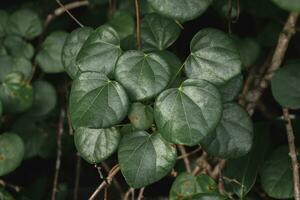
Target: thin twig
(9, 185)
(114, 181)
(59, 151)
(292, 153)
(105, 196)
(141, 194)
(129, 193)
(138, 23)
(69, 13)
(218, 168)
(108, 181)
(185, 158)
(189, 154)
(77, 176)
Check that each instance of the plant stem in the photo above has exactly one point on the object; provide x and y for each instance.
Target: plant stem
(185, 158)
(141, 194)
(77, 176)
(138, 23)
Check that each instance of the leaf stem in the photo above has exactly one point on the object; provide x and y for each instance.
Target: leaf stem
(185, 158)
(138, 23)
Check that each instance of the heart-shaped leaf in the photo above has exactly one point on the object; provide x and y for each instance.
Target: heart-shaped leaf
(230, 90)
(100, 51)
(173, 62)
(123, 23)
(141, 116)
(214, 57)
(96, 101)
(72, 46)
(11, 152)
(143, 75)
(185, 115)
(145, 158)
(96, 145)
(18, 47)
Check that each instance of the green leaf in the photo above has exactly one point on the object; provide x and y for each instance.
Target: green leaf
(15, 94)
(3, 22)
(11, 152)
(207, 197)
(49, 57)
(3, 51)
(182, 10)
(143, 75)
(233, 135)
(141, 116)
(96, 145)
(173, 62)
(10, 65)
(100, 51)
(72, 46)
(4, 195)
(187, 185)
(185, 115)
(25, 23)
(221, 7)
(285, 85)
(44, 99)
(214, 57)
(145, 158)
(245, 169)
(230, 90)
(289, 5)
(158, 32)
(96, 101)
(123, 23)
(276, 175)
(17, 47)
(1, 109)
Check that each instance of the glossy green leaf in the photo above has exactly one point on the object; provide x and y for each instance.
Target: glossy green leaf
(289, 5)
(15, 94)
(49, 57)
(11, 152)
(285, 85)
(3, 21)
(207, 197)
(4, 195)
(96, 145)
(185, 115)
(187, 185)
(145, 158)
(158, 32)
(173, 62)
(214, 57)
(96, 101)
(100, 51)
(230, 90)
(182, 10)
(123, 23)
(72, 46)
(141, 116)
(233, 135)
(143, 75)
(18, 47)
(25, 23)
(276, 175)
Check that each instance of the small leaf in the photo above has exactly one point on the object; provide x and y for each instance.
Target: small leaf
(123, 23)
(158, 32)
(143, 75)
(183, 10)
(187, 114)
(96, 101)
(49, 57)
(214, 57)
(72, 46)
(11, 152)
(289, 5)
(17, 47)
(100, 51)
(145, 158)
(187, 185)
(141, 116)
(285, 85)
(3, 21)
(230, 90)
(233, 136)
(25, 23)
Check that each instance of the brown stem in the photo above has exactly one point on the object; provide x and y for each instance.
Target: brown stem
(14, 187)
(77, 176)
(185, 158)
(292, 153)
(129, 193)
(189, 154)
(141, 194)
(114, 181)
(138, 23)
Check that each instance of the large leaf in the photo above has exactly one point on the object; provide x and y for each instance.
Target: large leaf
(3, 21)
(100, 51)
(230, 90)
(96, 101)
(15, 94)
(49, 57)
(289, 5)
(187, 185)
(173, 62)
(25, 23)
(185, 115)
(123, 23)
(141, 116)
(233, 136)
(276, 175)
(158, 32)
(145, 158)
(245, 169)
(18, 47)
(72, 46)
(285, 85)
(143, 75)
(96, 145)
(11, 152)
(214, 57)
(183, 10)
